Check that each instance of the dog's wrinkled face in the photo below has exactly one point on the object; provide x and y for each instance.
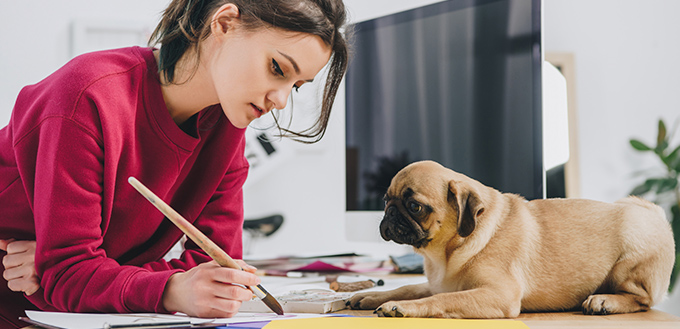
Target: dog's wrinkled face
(404, 219)
(413, 206)
(425, 202)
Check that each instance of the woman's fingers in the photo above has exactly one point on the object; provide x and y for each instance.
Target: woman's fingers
(233, 292)
(246, 267)
(19, 266)
(15, 247)
(19, 280)
(233, 276)
(208, 290)
(20, 253)
(4, 243)
(16, 272)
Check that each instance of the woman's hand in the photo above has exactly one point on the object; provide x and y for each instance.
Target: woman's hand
(19, 266)
(209, 290)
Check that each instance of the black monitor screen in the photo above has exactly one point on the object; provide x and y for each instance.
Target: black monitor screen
(457, 82)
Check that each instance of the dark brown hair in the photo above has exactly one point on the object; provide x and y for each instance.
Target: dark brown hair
(185, 23)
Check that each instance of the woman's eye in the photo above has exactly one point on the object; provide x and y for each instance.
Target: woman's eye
(276, 67)
(414, 207)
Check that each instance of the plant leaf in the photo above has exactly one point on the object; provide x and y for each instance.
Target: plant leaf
(661, 137)
(640, 146)
(673, 159)
(644, 187)
(640, 190)
(660, 148)
(665, 185)
(675, 225)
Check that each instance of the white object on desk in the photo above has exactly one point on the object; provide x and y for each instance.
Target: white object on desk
(100, 321)
(313, 295)
(97, 321)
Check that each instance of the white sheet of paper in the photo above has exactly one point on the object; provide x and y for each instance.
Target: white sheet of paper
(98, 321)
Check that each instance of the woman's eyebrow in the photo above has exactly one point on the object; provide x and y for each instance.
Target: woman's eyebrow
(294, 63)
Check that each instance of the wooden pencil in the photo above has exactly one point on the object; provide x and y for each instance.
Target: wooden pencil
(213, 250)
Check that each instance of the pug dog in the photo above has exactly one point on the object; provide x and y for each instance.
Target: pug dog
(489, 254)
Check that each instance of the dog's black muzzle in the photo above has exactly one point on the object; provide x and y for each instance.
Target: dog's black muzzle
(402, 229)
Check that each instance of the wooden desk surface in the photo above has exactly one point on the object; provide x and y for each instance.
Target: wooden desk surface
(652, 319)
(558, 320)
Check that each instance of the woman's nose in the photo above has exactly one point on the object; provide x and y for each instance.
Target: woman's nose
(279, 97)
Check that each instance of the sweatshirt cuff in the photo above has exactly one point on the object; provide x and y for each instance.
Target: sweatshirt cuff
(144, 291)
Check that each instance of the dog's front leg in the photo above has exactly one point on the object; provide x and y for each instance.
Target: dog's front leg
(476, 303)
(371, 300)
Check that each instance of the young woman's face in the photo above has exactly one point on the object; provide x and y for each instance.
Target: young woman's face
(254, 72)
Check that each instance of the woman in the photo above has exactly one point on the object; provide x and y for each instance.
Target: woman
(175, 119)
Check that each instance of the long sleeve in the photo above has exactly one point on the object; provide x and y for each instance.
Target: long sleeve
(75, 138)
(219, 220)
(76, 273)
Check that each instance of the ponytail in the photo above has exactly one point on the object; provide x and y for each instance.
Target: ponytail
(182, 27)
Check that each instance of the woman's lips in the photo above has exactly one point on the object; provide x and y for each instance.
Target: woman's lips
(258, 111)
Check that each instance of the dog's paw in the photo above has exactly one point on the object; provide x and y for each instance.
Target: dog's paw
(391, 310)
(366, 301)
(597, 305)
(395, 310)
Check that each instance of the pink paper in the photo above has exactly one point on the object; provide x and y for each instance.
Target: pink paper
(319, 266)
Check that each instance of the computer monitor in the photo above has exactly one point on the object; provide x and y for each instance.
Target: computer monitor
(457, 82)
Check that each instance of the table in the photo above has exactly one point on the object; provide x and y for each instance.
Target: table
(652, 319)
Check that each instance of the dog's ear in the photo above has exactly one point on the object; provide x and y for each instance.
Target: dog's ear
(467, 202)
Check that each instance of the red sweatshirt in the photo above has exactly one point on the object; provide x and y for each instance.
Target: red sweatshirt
(65, 157)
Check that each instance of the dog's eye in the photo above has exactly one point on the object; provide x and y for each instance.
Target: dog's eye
(414, 207)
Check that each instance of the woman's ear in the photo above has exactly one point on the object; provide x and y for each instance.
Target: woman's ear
(224, 19)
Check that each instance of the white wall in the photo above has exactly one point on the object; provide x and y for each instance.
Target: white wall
(35, 37)
(627, 77)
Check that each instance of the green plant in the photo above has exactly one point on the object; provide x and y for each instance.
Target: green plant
(664, 185)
